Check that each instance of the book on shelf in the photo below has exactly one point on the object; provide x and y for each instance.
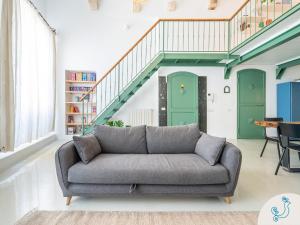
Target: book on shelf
(72, 76)
(84, 77)
(76, 88)
(79, 76)
(93, 77)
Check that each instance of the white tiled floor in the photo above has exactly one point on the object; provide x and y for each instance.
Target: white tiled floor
(33, 184)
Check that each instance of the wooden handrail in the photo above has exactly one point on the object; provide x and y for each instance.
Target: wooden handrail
(239, 9)
(194, 19)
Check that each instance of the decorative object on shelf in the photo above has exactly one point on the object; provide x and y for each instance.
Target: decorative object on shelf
(268, 22)
(172, 5)
(77, 98)
(212, 5)
(244, 25)
(115, 123)
(94, 4)
(71, 130)
(226, 89)
(261, 24)
(70, 119)
(74, 109)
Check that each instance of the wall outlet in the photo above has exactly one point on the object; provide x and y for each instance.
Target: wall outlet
(211, 97)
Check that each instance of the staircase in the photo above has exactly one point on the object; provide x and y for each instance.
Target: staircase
(171, 42)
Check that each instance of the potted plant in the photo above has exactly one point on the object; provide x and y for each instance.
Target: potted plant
(115, 123)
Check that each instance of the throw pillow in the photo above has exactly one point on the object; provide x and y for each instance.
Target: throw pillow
(122, 140)
(87, 147)
(210, 148)
(172, 139)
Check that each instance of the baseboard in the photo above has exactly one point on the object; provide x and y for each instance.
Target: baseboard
(10, 159)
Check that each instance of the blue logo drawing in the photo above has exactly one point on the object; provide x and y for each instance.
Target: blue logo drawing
(286, 211)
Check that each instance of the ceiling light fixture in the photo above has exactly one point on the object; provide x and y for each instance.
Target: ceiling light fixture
(94, 4)
(172, 5)
(212, 4)
(138, 5)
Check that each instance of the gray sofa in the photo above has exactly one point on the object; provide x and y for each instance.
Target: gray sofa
(147, 161)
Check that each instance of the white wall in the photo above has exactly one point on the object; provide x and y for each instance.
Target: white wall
(222, 113)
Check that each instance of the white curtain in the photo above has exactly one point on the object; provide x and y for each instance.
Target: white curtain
(6, 77)
(34, 76)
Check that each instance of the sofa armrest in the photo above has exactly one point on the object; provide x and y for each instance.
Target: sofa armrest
(65, 157)
(231, 159)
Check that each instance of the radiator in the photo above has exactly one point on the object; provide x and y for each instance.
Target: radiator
(141, 117)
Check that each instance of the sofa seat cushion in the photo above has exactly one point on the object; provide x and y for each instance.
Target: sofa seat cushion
(169, 169)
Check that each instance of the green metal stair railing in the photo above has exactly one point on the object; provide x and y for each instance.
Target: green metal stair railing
(171, 41)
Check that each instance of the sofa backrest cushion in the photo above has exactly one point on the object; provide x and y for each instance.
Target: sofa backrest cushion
(172, 140)
(128, 140)
(87, 147)
(210, 148)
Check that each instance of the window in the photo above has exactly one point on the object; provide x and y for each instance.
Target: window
(34, 76)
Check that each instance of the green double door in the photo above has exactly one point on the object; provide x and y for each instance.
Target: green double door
(182, 98)
(251, 103)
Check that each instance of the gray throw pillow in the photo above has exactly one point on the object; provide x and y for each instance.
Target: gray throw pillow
(210, 148)
(172, 139)
(87, 147)
(122, 140)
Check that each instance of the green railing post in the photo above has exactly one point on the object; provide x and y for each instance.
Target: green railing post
(163, 37)
(229, 37)
(119, 82)
(82, 117)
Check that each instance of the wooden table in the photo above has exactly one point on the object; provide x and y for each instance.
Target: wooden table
(271, 124)
(286, 159)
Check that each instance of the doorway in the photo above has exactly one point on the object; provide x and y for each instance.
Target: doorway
(182, 98)
(251, 103)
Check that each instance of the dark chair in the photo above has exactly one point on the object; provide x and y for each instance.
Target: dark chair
(288, 132)
(268, 138)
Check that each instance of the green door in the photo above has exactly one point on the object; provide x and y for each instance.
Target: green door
(251, 103)
(182, 98)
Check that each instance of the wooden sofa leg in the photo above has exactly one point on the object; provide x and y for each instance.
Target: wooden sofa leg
(68, 200)
(228, 200)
